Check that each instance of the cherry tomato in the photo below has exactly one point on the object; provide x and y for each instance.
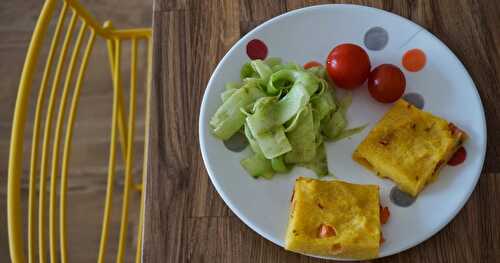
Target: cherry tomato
(386, 83)
(348, 65)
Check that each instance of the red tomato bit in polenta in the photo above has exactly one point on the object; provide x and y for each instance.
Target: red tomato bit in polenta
(458, 157)
(384, 214)
(326, 231)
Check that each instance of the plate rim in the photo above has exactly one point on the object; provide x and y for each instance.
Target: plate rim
(202, 125)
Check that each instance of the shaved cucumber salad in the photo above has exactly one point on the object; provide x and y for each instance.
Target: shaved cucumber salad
(286, 113)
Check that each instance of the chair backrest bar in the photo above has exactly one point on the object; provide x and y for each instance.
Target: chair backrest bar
(55, 65)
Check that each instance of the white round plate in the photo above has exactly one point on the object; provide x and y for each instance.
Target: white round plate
(309, 34)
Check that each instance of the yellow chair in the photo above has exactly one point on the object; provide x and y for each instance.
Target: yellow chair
(55, 64)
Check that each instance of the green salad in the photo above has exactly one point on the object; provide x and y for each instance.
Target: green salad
(286, 113)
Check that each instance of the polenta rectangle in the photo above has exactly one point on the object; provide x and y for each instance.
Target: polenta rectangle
(350, 213)
(409, 146)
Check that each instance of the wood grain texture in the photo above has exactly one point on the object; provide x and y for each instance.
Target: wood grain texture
(186, 220)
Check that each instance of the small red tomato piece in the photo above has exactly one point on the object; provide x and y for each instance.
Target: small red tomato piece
(386, 83)
(459, 157)
(348, 65)
(385, 214)
(326, 231)
(312, 64)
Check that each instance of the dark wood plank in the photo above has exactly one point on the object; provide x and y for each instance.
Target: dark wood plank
(170, 5)
(190, 194)
(186, 220)
(223, 22)
(166, 183)
(254, 13)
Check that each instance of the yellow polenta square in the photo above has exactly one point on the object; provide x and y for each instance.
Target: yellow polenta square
(334, 218)
(409, 146)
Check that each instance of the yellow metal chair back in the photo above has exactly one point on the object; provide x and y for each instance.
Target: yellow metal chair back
(42, 157)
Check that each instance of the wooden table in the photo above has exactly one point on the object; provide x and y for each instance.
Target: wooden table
(187, 221)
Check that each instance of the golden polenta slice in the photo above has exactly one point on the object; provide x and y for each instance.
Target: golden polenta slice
(409, 146)
(334, 218)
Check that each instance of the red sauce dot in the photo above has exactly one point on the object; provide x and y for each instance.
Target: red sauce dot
(256, 49)
(459, 157)
(312, 64)
(414, 60)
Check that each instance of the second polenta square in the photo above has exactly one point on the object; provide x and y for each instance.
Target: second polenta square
(409, 146)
